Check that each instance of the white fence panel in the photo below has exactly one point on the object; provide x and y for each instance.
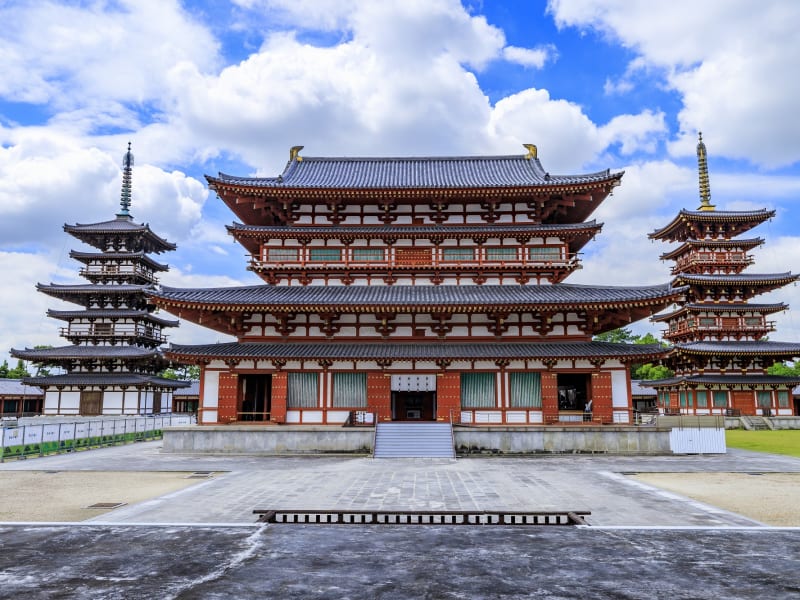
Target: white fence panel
(697, 440)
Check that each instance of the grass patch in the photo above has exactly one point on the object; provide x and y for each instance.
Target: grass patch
(782, 441)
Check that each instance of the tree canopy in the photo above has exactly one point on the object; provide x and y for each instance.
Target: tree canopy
(623, 335)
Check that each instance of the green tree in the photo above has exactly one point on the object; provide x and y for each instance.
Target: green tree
(184, 372)
(19, 371)
(623, 335)
(650, 371)
(784, 370)
(4, 370)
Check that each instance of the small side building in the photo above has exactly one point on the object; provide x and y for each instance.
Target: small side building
(19, 400)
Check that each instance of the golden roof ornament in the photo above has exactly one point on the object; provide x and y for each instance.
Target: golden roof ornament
(532, 151)
(702, 165)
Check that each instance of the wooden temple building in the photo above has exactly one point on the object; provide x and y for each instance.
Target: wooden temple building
(415, 289)
(111, 365)
(720, 352)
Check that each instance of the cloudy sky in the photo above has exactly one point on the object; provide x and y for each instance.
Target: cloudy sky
(205, 86)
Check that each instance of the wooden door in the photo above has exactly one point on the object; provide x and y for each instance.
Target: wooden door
(91, 403)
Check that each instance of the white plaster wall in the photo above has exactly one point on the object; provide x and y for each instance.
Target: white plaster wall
(112, 402)
(210, 397)
(620, 394)
(50, 402)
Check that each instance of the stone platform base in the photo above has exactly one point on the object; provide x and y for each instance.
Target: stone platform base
(310, 439)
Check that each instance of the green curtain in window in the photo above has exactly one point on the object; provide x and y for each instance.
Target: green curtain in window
(783, 399)
(720, 399)
(764, 399)
(350, 390)
(478, 390)
(526, 390)
(682, 396)
(702, 399)
(303, 390)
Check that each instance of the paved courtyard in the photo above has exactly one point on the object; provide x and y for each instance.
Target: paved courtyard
(199, 539)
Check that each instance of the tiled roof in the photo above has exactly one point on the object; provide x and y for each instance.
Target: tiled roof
(752, 217)
(84, 352)
(414, 172)
(87, 257)
(746, 244)
(120, 225)
(17, 387)
(92, 288)
(723, 380)
(67, 315)
(193, 389)
(741, 348)
(639, 388)
(490, 296)
(694, 307)
(406, 230)
(109, 379)
(417, 350)
(767, 278)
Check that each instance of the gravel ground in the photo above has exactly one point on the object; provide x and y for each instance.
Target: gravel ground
(770, 498)
(64, 496)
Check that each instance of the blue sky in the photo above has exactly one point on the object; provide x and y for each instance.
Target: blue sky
(200, 87)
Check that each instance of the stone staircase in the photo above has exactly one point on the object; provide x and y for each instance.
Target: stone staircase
(414, 440)
(755, 423)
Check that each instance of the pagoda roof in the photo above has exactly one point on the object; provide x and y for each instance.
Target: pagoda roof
(747, 244)
(78, 293)
(416, 350)
(69, 315)
(80, 352)
(682, 227)
(412, 298)
(696, 307)
(717, 380)
(87, 257)
(581, 233)
(458, 172)
(95, 234)
(767, 279)
(107, 379)
(740, 348)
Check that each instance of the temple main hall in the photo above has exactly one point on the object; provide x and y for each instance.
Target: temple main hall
(415, 289)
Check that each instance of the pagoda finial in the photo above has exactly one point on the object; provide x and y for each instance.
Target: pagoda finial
(127, 176)
(702, 166)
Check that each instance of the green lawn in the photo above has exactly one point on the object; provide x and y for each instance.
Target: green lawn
(784, 441)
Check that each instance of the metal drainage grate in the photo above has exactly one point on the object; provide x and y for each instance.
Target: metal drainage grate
(422, 517)
(107, 505)
(200, 475)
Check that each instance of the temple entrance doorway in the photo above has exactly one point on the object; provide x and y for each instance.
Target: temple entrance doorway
(573, 391)
(413, 406)
(413, 397)
(255, 393)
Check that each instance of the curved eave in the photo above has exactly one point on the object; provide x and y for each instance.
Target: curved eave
(771, 279)
(71, 315)
(763, 309)
(676, 230)
(77, 352)
(723, 380)
(413, 351)
(87, 257)
(107, 380)
(89, 234)
(775, 349)
(689, 244)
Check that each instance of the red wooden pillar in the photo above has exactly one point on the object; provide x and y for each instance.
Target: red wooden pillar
(228, 397)
(602, 403)
(379, 395)
(549, 397)
(280, 388)
(448, 396)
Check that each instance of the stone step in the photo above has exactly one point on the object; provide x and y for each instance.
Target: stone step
(414, 440)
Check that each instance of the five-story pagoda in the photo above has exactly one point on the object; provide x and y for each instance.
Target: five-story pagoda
(415, 289)
(720, 351)
(111, 366)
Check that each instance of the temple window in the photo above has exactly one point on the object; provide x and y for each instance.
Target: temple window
(701, 398)
(367, 254)
(325, 254)
(708, 322)
(764, 399)
(783, 399)
(526, 390)
(501, 254)
(753, 321)
(544, 253)
(350, 390)
(281, 254)
(458, 254)
(478, 390)
(302, 390)
(720, 399)
(682, 396)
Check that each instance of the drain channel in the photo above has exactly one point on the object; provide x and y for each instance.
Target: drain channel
(422, 517)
